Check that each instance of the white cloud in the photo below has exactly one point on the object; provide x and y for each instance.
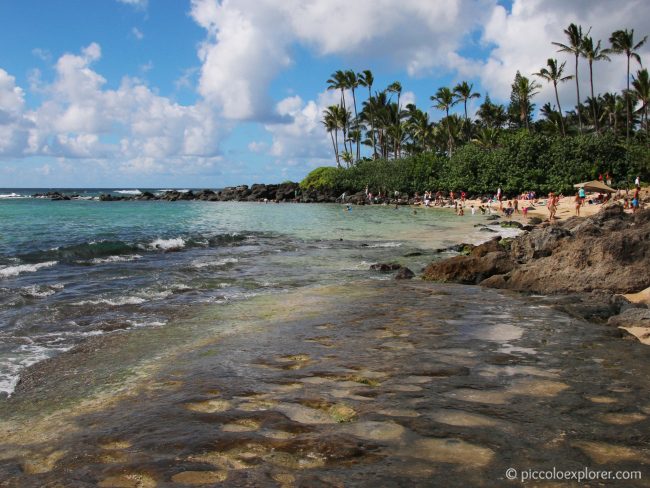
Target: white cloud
(303, 139)
(137, 33)
(14, 127)
(139, 4)
(522, 40)
(81, 119)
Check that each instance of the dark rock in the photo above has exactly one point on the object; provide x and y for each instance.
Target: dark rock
(632, 317)
(511, 224)
(385, 267)
(608, 252)
(469, 269)
(492, 217)
(404, 274)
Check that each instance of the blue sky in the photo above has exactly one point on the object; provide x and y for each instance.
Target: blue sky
(207, 93)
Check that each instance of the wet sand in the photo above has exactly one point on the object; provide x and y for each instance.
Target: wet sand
(371, 384)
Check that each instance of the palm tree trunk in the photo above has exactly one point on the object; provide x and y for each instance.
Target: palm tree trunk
(372, 124)
(578, 95)
(557, 99)
(466, 119)
(356, 119)
(449, 143)
(627, 102)
(345, 121)
(336, 152)
(593, 100)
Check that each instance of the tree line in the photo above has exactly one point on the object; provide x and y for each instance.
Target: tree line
(391, 131)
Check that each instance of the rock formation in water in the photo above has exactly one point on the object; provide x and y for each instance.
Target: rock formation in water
(603, 256)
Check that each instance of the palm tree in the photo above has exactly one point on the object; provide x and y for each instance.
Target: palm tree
(379, 108)
(622, 42)
(331, 123)
(613, 105)
(491, 114)
(366, 79)
(553, 118)
(591, 54)
(419, 128)
(395, 87)
(523, 90)
(554, 75)
(641, 85)
(463, 92)
(487, 137)
(444, 99)
(574, 34)
(352, 83)
(339, 81)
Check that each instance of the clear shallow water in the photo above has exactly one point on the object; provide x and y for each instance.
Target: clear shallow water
(74, 269)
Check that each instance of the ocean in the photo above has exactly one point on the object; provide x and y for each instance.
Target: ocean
(155, 343)
(74, 269)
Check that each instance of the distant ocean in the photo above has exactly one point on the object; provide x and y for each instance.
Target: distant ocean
(83, 193)
(74, 269)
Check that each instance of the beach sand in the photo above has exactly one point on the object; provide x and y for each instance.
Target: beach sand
(537, 208)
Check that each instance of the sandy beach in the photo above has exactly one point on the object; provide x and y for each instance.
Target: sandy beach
(566, 206)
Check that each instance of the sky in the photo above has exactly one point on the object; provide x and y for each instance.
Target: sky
(212, 93)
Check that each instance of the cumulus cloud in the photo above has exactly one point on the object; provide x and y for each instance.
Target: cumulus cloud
(80, 118)
(14, 127)
(249, 42)
(522, 41)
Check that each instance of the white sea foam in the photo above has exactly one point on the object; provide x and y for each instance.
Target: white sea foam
(115, 259)
(386, 244)
(214, 264)
(25, 356)
(40, 291)
(129, 192)
(13, 195)
(7, 271)
(116, 302)
(167, 244)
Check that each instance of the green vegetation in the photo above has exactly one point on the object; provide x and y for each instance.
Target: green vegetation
(502, 146)
(520, 161)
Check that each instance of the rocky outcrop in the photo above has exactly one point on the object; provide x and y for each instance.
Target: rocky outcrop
(634, 321)
(608, 252)
(586, 263)
(482, 262)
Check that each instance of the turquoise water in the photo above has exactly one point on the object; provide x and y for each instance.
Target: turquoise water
(73, 269)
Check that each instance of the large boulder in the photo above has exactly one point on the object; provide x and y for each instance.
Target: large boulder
(483, 261)
(608, 252)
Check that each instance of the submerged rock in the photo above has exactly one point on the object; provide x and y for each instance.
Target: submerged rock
(483, 261)
(385, 267)
(404, 274)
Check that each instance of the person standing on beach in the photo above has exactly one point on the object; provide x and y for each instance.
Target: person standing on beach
(637, 182)
(578, 201)
(581, 194)
(550, 204)
(608, 179)
(516, 204)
